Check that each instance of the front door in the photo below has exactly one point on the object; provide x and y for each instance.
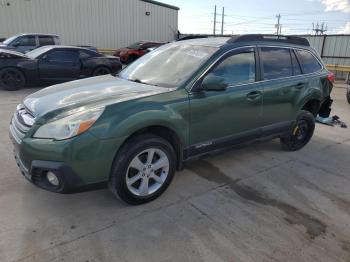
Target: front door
(232, 115)
(60, 65)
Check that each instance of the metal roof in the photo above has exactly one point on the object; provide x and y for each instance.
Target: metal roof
(161, 4)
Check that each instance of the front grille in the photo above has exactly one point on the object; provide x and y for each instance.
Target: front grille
(21, 122)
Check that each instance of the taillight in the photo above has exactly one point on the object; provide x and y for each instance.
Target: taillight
(331, 77)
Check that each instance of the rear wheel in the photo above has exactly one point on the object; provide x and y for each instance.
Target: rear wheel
(300, 133)
(99, 71)
(143, 169)
(11, 79)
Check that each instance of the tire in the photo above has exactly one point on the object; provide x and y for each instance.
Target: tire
(348, 95)
(11, 79)
(132, 171)
(101, 70)
(301, 132)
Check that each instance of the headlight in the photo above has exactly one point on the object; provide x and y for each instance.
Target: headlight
(69, 126)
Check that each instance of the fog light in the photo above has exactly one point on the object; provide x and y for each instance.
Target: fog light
(52, 178)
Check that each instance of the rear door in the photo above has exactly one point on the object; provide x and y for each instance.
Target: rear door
(283, 84)
(60, 65)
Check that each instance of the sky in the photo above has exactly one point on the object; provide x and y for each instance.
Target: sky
(254, 16)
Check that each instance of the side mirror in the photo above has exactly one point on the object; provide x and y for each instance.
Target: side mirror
(214, 83)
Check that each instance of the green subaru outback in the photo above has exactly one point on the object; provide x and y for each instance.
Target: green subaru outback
(177, 103)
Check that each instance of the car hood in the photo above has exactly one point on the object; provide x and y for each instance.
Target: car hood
(11, 52)
(120, 50)
(81, 94)
(3, 46)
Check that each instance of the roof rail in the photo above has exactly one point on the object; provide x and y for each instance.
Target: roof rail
(272, 38)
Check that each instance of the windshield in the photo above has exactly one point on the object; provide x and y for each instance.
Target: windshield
(37, 52)
(135, 46)
(169, 65)
(9, 40)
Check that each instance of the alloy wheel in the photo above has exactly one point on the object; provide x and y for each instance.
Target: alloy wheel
(147, 172)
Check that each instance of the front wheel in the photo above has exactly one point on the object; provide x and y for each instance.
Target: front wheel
(348, 95)
(300, 133)
(11, 79)
(143, 169)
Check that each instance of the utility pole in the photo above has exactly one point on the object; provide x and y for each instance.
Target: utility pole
(278, 25)
(319, 29)
(222, 20)
(214, 30)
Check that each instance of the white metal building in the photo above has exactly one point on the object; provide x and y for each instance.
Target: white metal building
(100, 23)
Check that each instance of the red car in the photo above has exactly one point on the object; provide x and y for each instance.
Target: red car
(136, 50)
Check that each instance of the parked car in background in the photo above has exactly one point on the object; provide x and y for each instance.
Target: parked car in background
(52, 64)
(136, 50)
(92, 48)
(27, 42)
(184, 100)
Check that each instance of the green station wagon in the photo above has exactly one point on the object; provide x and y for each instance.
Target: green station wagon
(182, 101)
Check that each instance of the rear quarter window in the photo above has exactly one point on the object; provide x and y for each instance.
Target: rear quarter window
(46, 40)
(308, 62)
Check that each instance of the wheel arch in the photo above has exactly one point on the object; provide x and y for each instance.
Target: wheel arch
(312, 105)
(164, 132)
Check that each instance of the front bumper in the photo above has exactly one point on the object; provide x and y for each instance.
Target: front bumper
(81, 163)
(69, 181)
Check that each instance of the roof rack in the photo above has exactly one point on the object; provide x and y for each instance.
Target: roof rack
(272, 38)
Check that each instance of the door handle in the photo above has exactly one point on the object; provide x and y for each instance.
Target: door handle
(253, 95)
(300, 86)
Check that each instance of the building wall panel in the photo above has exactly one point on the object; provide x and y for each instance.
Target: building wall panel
(104, 24)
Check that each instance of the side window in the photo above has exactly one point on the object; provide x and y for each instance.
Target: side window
(237, 69)
(46, 40)
(25, 41)
(296, 66)
(63, 56)
(308, 61)
(84, 55)
(277, 62)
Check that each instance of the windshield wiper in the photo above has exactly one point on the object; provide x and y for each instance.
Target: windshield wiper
(141, 82)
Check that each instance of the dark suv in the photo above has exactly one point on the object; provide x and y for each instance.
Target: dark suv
(177, 103)
(27, 42)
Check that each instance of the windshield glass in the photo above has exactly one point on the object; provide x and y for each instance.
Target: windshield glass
(135, 46)
(9, 40)
(169, 65)
(37, 52)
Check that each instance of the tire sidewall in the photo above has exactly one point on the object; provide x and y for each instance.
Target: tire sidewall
(117, 182)
(288, 142)
(348, 94)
